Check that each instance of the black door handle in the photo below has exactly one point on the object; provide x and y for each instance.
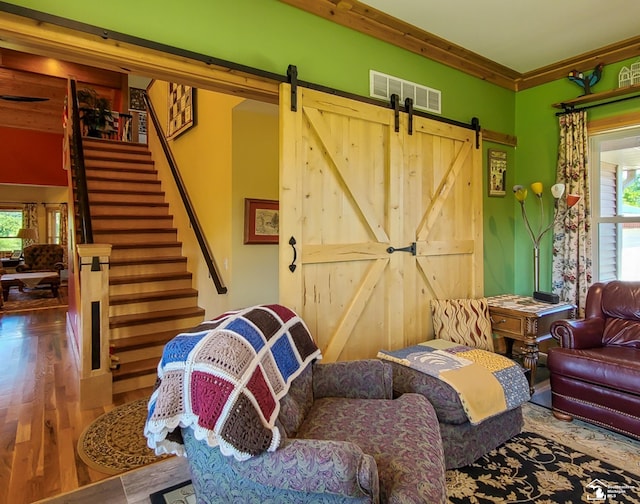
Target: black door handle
(292, 266)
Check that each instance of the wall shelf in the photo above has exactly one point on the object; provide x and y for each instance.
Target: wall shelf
(597, 97)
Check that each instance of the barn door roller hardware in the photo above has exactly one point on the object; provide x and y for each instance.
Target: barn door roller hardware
(408, 105)
(395, 105)
(292, 76)
(475, 124)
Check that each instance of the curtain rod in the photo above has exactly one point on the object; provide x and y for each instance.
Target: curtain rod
(568, 109)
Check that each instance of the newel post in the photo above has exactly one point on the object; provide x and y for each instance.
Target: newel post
(95, 373)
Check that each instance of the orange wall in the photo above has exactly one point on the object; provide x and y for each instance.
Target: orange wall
(31, 157)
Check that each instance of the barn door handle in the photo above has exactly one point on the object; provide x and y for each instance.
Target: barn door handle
(409, 248)
(292, 266)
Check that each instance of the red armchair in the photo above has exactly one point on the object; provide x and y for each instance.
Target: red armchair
(595, 373)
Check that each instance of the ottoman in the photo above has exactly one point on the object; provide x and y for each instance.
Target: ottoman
(463, 442)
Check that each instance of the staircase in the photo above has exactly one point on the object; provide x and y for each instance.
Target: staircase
(151, 298)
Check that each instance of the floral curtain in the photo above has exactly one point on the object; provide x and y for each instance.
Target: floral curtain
(571, 276)
(29, 220)
(64, 231)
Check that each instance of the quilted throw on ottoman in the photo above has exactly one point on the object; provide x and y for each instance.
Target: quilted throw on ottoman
(487, 383)
(225, 379)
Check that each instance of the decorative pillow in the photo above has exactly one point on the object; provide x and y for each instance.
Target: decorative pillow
(463, 321)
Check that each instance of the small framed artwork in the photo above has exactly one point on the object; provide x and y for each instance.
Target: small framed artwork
(182, 109)
(497, 168)
(261, 221)
(136, 99)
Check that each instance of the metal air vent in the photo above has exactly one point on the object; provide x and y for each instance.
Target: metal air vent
(424, 98)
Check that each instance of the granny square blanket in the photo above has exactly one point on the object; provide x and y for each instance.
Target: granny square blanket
(225, 378)
(487, 383)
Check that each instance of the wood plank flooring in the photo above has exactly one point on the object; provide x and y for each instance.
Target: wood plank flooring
(40, 417)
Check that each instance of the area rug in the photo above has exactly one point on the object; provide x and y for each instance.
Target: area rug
(34, 299)
(529, 468)
(532, 468)
(602, 444)
(115, 441)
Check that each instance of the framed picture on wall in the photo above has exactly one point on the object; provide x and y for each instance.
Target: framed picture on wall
(261, 221)
(497, 168)
(182, 109)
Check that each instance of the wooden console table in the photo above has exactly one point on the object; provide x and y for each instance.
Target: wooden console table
(525, 319)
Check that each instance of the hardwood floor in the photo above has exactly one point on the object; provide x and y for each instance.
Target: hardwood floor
(40, 417)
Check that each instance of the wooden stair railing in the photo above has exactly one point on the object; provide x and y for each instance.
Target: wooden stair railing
(86, 231)
(193, 218)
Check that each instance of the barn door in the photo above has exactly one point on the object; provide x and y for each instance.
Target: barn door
(351, 188)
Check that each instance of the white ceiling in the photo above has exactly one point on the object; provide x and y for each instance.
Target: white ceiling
(523, 35)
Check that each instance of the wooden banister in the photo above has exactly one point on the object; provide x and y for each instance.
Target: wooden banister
(193, 218)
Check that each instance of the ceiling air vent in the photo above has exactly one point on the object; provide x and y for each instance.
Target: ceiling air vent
(424, 98)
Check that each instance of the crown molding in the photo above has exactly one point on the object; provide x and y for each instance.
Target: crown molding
(364, 19)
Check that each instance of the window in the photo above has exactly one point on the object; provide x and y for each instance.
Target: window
(10, 224)
(615, 182)
(53, 226)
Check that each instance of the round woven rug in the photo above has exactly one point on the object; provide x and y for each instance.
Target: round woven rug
(115, 441)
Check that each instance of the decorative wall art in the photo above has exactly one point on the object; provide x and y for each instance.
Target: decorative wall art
(497, 168)
(182, 109)
(261, 221)
(136, 99)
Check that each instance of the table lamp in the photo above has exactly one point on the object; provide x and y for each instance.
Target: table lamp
(557, 191)
(28, 234)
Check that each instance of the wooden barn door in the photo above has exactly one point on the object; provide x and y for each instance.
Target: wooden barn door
(351, 188)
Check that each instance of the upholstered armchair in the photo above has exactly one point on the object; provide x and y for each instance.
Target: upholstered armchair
(345, 440)
(42, 257)
(595, 373)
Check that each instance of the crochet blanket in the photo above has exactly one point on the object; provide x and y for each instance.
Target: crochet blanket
(224, 379)
(487, 383)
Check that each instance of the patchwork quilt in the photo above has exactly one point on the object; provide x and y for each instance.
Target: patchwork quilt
(225, 378)
(487, 383)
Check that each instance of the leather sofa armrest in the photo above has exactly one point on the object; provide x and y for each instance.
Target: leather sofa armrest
(22, 268)
(583, 333)
(361, 379)
(314, 466)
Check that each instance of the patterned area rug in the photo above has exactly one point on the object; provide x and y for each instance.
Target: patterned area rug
(531, 468)
(115, 442)
(34, 299)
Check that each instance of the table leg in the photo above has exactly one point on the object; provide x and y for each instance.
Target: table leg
(54, 289)
(530, 362)
(5, 292)
(508, 347)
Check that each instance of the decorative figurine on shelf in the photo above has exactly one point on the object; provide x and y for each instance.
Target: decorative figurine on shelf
(586, 81)
(557, 191)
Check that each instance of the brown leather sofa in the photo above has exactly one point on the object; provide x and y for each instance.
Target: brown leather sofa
(595, 373)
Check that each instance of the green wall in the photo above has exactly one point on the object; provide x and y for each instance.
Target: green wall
(536, 159)
(270, 35)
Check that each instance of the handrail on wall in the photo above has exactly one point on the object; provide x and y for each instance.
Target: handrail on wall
(77, 152)
(193, 218)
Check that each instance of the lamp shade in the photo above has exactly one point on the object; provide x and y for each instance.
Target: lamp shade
(28, 234)
(572, 199)
(537, 187)
(520, 192)
(557, 190)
